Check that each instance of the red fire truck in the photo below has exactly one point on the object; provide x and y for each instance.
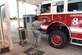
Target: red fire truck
(63, 22)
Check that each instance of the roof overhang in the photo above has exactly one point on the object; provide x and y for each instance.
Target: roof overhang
(34, 2)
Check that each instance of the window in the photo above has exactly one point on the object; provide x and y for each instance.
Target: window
(28, 19)
(75, 6)
(46, 8)
(33, 19)
(60, 8)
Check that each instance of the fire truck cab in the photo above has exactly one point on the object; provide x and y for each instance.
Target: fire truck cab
(63, 22)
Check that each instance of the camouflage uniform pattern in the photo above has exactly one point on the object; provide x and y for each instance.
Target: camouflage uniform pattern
(35, 26)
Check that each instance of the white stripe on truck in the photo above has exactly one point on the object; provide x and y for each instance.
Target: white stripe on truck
(76, 29)
(44, 26)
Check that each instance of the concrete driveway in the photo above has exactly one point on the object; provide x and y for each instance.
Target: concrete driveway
(68, 50)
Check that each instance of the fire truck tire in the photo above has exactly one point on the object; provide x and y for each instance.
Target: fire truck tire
(57, 39)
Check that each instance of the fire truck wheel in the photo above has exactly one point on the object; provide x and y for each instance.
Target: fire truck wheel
(57, 39)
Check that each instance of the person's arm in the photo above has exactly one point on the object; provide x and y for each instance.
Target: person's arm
(33, 26)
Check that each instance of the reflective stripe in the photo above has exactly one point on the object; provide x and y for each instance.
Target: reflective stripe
(76, 29)
(44, 27)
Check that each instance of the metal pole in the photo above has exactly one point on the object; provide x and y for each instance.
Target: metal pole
(18, 13)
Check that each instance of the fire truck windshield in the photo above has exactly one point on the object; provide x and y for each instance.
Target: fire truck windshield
(46, 8)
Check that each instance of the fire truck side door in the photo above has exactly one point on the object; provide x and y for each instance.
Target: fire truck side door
(59, 16)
